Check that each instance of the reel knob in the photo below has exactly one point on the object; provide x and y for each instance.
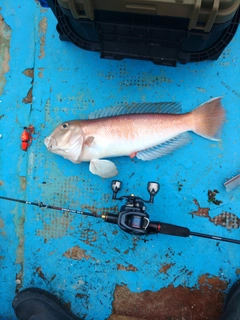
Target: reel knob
(152, 188)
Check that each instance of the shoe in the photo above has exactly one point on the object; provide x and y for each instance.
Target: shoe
(232, 303)
(38, 304)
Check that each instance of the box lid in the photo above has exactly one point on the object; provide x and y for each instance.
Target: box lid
(202, 14)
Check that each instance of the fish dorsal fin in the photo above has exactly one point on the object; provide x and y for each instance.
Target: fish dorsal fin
(164, 148)
(137, 108)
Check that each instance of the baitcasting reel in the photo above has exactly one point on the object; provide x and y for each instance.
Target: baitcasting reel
(132, 217)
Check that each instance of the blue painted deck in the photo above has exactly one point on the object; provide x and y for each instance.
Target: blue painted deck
(69, 83)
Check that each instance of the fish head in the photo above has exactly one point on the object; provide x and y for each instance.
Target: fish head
(67, 141)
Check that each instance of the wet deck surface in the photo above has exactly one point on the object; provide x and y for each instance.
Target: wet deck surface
(97, 269)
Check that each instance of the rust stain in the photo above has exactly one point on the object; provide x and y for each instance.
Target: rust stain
(201, 212)
(23, 182)
(166, 267)
(19, 277)
(212, 197)
(19, 220)
(29, 96)
(40, 73)
(43, 25)
(81, 296)
(230, 89)
(88, 236)
(203, 301)
(29, 72)
(42, 45)
(40, 273)
(130, 267)
(42, 31)
(2, 231)
(1, 223)
(226, 219)
(58, 225)
(5, 35)
(76, 253)
(1, 183)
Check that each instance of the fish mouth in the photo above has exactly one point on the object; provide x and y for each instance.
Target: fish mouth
(71, 152)
(49, 143)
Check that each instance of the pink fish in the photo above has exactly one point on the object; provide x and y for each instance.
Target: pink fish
(146, 130)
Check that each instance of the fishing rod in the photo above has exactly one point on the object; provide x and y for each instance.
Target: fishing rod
(132, 217)
(46, 206)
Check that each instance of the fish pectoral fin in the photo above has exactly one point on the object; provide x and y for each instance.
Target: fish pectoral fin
(89, 141)
(103, 168)
(164, 148)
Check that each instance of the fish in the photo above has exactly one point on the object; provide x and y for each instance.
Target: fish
(143, 130)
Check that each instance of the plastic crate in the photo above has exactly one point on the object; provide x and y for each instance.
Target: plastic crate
(201, 14)
(183, 31)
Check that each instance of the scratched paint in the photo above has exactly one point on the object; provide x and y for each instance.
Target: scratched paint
(5, 36)
(19, 220)
(29, 72)
(23, 183)
(42, 34)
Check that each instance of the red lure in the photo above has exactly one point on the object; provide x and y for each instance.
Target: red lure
(26, 137)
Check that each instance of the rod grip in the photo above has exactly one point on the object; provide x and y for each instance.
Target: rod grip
(166, 228)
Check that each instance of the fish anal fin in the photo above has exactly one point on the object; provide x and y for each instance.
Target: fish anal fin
(164, 148)
(103, 168)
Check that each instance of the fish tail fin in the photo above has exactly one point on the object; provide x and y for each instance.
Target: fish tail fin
(208, 119)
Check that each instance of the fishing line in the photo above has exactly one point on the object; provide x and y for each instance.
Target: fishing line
(132, 216)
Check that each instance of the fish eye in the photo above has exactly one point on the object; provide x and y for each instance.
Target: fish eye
(64, 126)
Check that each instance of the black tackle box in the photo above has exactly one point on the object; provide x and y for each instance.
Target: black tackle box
(162, 31)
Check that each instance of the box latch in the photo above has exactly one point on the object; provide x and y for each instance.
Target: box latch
(194, 22)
